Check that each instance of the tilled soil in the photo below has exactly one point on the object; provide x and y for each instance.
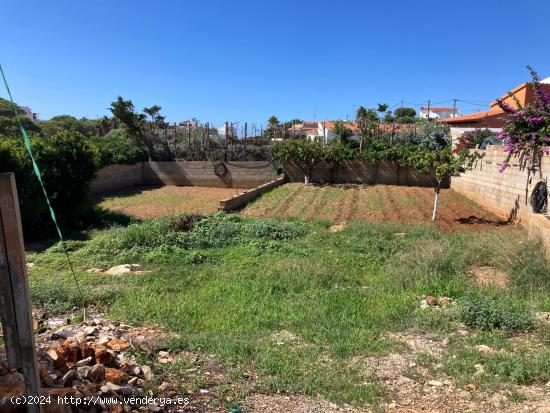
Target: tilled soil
(149, 202)
(379, 203)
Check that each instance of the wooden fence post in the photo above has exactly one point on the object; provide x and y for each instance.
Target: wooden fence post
(16, 310)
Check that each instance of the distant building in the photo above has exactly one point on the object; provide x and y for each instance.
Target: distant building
(28, 113)
(495, 116)
(438, 113)
(192, 123)
(323, 130)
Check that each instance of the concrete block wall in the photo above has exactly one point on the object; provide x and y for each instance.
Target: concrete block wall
(506, 193)
(114, 177)
(245, 174)
(369, 172)
(182, 173)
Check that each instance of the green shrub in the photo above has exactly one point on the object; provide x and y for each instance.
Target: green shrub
(523, 368)
(118, 148)
(158, 238)
(487, 313)
(67, 163)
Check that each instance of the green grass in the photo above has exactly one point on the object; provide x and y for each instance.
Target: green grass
(232, 285)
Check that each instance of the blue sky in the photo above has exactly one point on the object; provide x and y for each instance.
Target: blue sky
(246, 60)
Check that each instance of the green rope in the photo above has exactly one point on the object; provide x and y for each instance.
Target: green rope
(39, 176)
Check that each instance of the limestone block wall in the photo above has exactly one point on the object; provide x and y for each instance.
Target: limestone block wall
(506, 193)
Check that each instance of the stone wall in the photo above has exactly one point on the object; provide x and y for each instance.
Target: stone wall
(506, 193)
(182, 173)
(114, 177)
(369, 172)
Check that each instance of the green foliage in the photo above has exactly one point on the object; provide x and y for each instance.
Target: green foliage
(400, 113)
(68, 163)
(337, 152)
(57, 124)
(367, 120)
(523, 369)
(118, 148)
(433, 154)
(433, 135)
(342, 131)
(304, 152)
(161, 236)
(8, 122)
(488, 313)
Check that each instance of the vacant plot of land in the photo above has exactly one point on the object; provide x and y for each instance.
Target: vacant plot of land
(278, 309)
(377, 203)
(147, 202)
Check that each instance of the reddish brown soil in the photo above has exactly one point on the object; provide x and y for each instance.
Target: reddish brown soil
(147, 202)
(379, 203)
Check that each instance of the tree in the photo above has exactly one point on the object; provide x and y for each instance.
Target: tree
(305, 153)
(433, 156)
(124, 112)
(404, 113)
(8, 123)
(273, 122)
(68, 163)
(342, 131)
(433, 135)
(273, 125)
(367, 121)
(382, 108)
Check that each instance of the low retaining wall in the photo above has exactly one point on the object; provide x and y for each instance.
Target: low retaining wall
(369, 172)
(114, 177)
(506, 193)
(182, 173)
(239, 200)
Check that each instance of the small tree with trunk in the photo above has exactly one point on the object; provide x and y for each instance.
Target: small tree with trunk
(303, 152)
(367, 121)
(442, 164)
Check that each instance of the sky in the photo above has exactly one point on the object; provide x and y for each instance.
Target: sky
(247, 60)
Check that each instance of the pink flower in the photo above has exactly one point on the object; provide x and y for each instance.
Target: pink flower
(503, 166)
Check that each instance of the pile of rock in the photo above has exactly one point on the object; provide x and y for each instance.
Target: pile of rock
(88, 361)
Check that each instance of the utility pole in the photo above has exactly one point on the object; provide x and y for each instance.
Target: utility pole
(454, 107)
(429, 105)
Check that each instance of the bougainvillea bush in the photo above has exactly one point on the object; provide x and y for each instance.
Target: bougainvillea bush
(526, 133)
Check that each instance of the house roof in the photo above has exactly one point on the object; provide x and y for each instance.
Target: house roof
(329, 124)
(437, 109)
(472, 117)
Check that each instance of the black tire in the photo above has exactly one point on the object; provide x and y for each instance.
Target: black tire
(220, 170)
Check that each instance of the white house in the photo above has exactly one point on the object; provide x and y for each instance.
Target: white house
(438, 113)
